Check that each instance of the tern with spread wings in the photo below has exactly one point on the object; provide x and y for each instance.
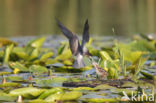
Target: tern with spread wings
(77, 49)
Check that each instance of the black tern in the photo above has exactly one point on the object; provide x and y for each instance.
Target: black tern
(77, 49)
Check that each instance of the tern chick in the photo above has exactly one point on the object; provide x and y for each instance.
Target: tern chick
(99, 71)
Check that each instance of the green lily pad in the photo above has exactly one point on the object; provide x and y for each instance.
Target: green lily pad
(37, 101)
(10, 84)
(84, 89)
(73, 95)
(7, 97)
(51, 82)
(4, 73)
(67, 96)
(49, 92)
(129, 84)
(46, 56)
(14, 78)
(17, 65)
(38, 69)
(102, 100)
(27, 92)
(20, 53)
(65, 55)
(36, 43)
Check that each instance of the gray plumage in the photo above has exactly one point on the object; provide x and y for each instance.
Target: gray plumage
(75, 47)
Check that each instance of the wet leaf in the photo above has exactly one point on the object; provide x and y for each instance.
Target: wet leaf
(10, 84)
(120, 91)
(7, 97)
(129, 84)
(5, 41)
(67, 96)
(36, 43)
(14, 78)
(54, 97)
(38, 69)
(84, 89)
(49, 92)
(65, 55)
(46, 56)
(64, 46)
(7, 53)
(147, 75)
(4, 73)
(54, 82)
(67, 62)
(73, 95)
(21, 67)
(37, 101)
(20, 53)
(27, 92)
(113, 73)
(34, 54)
(102, 100)
(105, 56)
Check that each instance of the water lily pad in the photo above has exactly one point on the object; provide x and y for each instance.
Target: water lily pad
(20, 53)
(102, 100)
(38, 69)
(54, 97)
(67, 96)
(14, 78)
(51, 82)
(73, 95)
(67, 62)
(65, 55)
(21, 67)
(49, 92)
(36, 43)
(10, 84)
(27, 92)
(7, 97)
(129, 84)
(4, 73)
(37, 101)
(84, 89)
(46, 56)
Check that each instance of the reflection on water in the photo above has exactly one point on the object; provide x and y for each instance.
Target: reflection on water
(31, 17)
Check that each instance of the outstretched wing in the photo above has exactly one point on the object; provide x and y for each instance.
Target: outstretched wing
(65, 31)
(85, 33)
(73, 39)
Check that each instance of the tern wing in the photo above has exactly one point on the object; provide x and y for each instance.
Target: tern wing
(85, 33)
(73, 39)
(65, 31)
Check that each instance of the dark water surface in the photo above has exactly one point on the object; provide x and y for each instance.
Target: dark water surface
(37, 17)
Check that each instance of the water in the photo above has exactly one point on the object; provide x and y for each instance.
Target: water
(30, 17)
(43, 80)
